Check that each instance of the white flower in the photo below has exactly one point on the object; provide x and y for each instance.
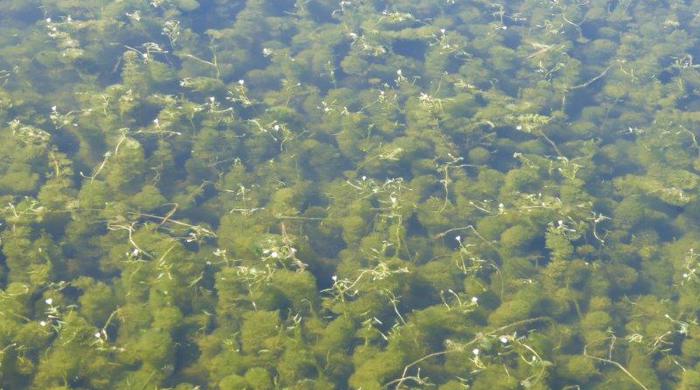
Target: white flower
(503, 339)
(399, 72)
(43, 323)
(475, 300)
(458, 238)
(219, 252)
(49, 301)
(98, 335)
(241, 82)
(476, 351)
(274, 255)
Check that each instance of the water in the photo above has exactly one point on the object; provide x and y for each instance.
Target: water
(321, 194)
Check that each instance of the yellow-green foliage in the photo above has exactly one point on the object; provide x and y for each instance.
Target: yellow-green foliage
(334, 194)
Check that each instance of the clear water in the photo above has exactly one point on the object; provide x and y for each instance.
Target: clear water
(321, 194)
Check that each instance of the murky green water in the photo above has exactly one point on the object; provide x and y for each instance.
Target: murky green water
(324, 194)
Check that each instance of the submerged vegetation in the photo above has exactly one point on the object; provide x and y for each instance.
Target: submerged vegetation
(365, 194)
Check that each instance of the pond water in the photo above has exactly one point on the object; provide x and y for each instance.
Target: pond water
(362, 194)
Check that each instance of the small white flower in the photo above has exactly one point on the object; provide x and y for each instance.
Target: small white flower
(48, 20)
(219, 252)
(98, 335)
(43, 323)
(241, 82)
(399, 72)
(458, 238)
(212, 99)
(49, 301)
(335, 278)
(476, 351)
(475, 300)
(518, 127)
(503, 339)
(274, 255)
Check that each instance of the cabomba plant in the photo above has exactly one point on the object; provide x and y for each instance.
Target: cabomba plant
(324, 194)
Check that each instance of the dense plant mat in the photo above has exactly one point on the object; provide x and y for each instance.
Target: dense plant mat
(324, 194)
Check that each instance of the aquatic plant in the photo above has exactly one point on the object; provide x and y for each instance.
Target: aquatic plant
(316, 194)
